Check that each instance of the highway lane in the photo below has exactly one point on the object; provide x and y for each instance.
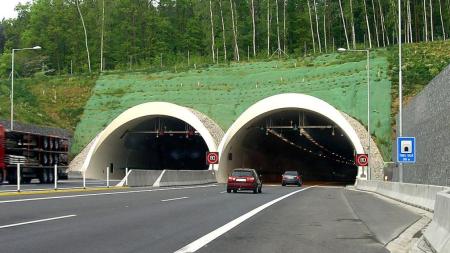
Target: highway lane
(167, 219)
(134, 222)
(322, 220)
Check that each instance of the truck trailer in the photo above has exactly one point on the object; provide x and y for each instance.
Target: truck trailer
(37, 152)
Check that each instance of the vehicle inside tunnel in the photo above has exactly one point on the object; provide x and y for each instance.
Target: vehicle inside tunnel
(294, 139)
(164, 143)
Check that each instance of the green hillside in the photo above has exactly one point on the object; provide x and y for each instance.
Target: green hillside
(224, 92)
(56, 101)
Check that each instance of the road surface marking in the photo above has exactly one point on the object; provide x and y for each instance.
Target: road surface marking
(104, 193)
(37, 221)
(165, 200)
(223, 192)
(202, 241)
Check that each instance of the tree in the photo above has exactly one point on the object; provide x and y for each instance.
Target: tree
(223, 33)
(352, 24)
(317, 26)
(85, 36)
(268, 27)
(311, 25)
(376, 24)
(442, 20)
(425, 20)
(431, 20)
(368, 26)
(212, 33)
(236, 47)
(343, 23)
(254, 29)
(103, 29)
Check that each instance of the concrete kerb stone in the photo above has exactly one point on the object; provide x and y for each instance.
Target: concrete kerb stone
(438, 232)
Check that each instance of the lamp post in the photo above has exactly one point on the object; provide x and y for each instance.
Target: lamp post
(400, 83)
(341, 50)
(12, 80)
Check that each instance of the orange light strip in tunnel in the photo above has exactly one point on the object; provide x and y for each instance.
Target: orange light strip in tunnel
(311, 139)
(343, 161)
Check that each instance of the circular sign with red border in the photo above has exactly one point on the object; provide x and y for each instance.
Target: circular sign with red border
(212, 157)
(362, 160)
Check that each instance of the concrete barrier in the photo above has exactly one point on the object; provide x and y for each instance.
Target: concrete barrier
(438, 232)
(170, 177)
(143, 177)
(419, 195)
(187, 177)
(429, 197)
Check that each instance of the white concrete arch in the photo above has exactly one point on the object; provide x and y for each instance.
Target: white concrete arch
(283, 102)
(104, 149)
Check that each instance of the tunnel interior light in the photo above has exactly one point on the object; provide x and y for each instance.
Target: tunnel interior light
(311, 139)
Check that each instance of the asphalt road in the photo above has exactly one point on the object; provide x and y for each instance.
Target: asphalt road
(318, 219)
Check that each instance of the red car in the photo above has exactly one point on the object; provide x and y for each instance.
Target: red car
(244, 179)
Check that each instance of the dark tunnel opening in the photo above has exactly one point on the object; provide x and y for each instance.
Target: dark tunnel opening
(298, 140)
(165, 143)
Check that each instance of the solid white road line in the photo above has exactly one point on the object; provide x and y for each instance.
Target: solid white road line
(37, 221)
(104, 193)
(165, 200)
(223, 192)
(202, 241)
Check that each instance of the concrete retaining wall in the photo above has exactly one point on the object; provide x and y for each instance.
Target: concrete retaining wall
(419, 195)
(187, 177)
(438, 232)
(170, 177)
(426, 117)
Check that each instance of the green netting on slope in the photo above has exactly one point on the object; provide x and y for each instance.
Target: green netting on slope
(224, 92)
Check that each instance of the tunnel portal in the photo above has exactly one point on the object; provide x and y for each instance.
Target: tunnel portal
(165, 143)
(295, 140)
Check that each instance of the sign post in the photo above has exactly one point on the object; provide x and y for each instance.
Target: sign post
(362, 160)
(406, 149)
(107, 177)
(55, 177)
(212, 158)
(18, 177)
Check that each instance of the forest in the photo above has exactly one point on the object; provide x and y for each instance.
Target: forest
(85, 36)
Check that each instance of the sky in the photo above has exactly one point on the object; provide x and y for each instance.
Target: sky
(7, 8)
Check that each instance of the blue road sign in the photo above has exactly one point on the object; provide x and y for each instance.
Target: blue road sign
(406, 149)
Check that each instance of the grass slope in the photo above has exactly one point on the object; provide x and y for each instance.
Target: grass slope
(48, 101)
(224, 92)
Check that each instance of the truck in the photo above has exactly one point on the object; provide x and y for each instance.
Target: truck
(37, 150)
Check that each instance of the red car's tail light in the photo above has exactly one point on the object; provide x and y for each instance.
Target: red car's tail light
(250, 179)
(231, 179)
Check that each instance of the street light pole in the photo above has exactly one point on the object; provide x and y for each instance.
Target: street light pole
(400, 84)
(11, 96)
(12, 80)
(369, 176)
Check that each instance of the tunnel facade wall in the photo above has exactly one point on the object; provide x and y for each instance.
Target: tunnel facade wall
(272, 104)
(109, 148)
(427, 117)
(376, 159)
